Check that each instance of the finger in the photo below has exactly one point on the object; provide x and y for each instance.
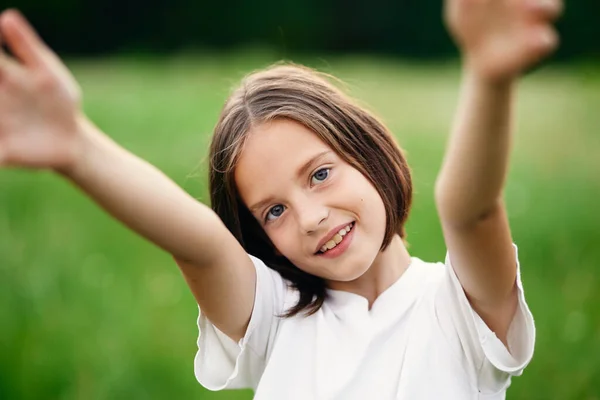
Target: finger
(3, 152)
(8, 66)
(22, 39)
(547, 39)
(2, 51)
(548, 10)
(542, 41)
(3, 161)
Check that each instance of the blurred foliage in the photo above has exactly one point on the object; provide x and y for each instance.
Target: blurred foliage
(88, 310)
(410, 28)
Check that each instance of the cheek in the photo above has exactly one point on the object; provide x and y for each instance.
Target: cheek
(283, 241)
(366, 196)
(379, 209)
(372, 209)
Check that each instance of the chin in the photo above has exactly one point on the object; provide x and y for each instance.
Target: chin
(342, 271)
(351, 274)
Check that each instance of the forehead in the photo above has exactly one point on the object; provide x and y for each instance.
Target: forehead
(272, 155)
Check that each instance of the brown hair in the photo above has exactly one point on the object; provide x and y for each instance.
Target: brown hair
(300, 94)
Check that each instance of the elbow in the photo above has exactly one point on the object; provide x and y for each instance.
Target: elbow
(461, 209)
(449, 204)
(440, 194)
(448, 195)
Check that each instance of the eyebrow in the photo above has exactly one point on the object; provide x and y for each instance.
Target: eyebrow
(303, 170)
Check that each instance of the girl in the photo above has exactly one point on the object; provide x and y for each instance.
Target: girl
(305, 286)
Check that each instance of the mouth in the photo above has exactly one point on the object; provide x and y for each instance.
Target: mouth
(336, 240)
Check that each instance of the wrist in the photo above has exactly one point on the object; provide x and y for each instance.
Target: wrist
(81, 146)
(485, 75)
(481, 81)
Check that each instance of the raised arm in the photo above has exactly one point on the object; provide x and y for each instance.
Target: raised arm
(41, 126)
(498, 39)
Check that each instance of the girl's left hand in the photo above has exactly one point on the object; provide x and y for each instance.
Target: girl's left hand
(40, 112)
(499, 39)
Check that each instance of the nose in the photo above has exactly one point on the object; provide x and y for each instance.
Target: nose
(310, 215)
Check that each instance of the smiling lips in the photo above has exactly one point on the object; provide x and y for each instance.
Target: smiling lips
(336, 238)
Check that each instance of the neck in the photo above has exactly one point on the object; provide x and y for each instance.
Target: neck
(387, 268)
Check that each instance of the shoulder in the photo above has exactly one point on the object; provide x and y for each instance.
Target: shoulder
(431, 281)
(427, 273)
(269, 280)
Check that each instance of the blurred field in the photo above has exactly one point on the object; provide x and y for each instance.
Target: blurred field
(90, 311)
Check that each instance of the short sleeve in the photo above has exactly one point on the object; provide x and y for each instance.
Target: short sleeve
(494, 363)
(220, 362)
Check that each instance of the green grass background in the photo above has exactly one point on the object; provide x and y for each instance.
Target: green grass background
(88, 310)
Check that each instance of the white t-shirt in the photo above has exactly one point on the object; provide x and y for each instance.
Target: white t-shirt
(420, 340)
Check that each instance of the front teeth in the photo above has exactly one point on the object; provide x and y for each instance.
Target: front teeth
(337, 238)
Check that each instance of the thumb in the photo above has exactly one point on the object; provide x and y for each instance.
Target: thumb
(542, 42)
(22, 39)
(3, 161)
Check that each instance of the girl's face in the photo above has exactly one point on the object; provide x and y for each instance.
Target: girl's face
(320, 212)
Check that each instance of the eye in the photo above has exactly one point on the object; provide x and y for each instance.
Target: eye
(275, 212)
(319, 176)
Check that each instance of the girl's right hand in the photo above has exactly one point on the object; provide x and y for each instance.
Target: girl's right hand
(40, 115)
